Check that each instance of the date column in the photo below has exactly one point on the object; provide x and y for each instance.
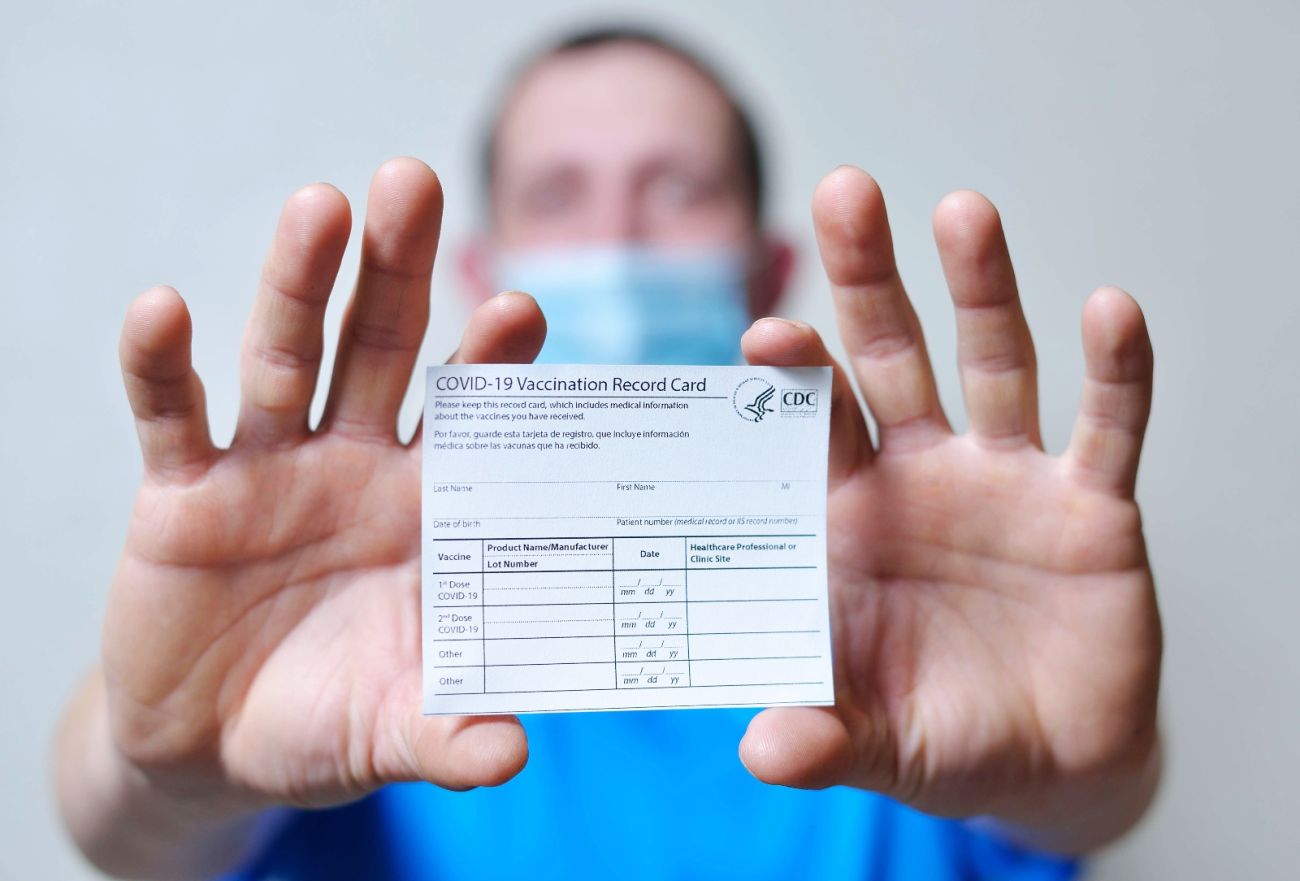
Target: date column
(650, 613)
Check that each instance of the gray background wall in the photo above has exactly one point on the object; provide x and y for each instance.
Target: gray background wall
(1150, 144)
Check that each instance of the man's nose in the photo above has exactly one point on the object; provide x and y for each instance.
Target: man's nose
(617, 217)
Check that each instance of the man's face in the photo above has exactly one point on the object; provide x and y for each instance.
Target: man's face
(618, 143)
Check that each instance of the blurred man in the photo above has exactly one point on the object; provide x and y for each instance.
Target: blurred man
(997, 643)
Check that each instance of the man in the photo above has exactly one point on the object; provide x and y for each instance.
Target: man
(997, 642)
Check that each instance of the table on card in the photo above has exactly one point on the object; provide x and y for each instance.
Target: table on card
(633, 615)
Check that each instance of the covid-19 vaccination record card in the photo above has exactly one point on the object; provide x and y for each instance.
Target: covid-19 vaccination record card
(616, 538)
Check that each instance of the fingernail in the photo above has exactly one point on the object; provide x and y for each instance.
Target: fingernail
(789, 322)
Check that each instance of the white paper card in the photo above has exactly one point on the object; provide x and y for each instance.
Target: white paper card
(613, 538)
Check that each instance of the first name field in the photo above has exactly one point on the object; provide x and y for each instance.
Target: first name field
(624, 537)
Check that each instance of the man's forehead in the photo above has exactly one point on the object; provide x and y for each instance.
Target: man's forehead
(618, 95)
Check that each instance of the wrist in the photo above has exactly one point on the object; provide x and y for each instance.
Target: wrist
(1082, 816)
(128, 823)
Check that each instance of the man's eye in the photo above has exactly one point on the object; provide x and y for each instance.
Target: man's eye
(548, 198)
(680, 190)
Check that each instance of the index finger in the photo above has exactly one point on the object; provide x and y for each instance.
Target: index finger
(507, 329)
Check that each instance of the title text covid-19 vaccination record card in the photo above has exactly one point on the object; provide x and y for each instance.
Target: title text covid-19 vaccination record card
(614, 538)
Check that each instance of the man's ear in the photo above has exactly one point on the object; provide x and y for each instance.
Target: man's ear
(474, 264)
(771, 276)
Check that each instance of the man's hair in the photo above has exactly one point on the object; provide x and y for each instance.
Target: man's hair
(749, 155)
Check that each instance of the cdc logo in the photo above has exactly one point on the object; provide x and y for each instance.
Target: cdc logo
(798, 401)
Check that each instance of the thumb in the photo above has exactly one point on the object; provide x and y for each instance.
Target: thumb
(801, 747)
(817, 747)
(462, 752)
(454, 752)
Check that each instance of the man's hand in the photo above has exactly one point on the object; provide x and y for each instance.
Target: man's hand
(262, 641)
(997, 643)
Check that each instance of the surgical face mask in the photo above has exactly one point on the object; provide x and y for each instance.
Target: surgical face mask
(633, 304)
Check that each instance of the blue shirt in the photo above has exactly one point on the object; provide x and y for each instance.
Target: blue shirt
(634, 795)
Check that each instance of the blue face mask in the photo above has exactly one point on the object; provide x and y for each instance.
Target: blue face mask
(626, 304)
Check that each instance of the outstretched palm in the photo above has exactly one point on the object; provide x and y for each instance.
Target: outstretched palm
(997, 643)
(263, 631)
